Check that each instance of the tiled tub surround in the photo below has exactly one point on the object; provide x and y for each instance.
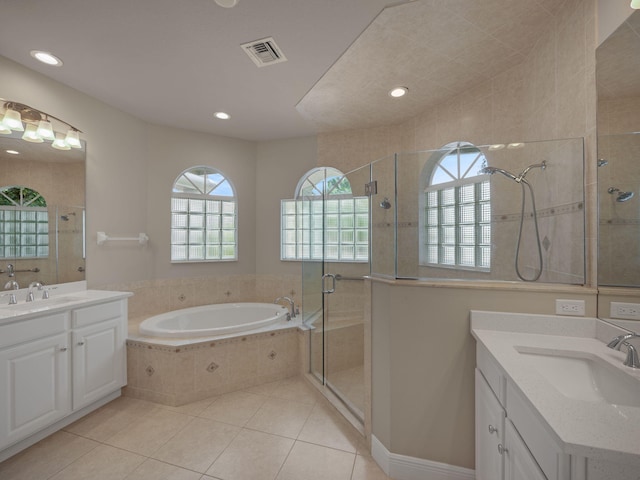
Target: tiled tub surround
(177, 372)
(592, 439)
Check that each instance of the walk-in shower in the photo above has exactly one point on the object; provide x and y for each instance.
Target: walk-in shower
(520, 178)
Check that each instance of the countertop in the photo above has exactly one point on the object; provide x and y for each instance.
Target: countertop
(584, 428)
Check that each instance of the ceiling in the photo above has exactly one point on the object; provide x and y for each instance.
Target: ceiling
(175, 63)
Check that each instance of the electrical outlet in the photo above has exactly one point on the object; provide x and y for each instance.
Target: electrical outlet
(570, 307)
(629, 311)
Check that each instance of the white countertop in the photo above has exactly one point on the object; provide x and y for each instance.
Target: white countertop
(61, 298)
(584, 428)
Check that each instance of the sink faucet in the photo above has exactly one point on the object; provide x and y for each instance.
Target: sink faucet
(37, 285)
(11, 285)
(292, 305)
(632, 359)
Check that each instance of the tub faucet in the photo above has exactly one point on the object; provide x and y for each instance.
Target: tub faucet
(292, 306)
(632, 359)
(37, 285)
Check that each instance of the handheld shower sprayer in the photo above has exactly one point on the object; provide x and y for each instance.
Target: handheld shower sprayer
(622, 196)
(487, 170)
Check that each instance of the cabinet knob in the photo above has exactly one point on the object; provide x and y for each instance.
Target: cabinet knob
(492, 429)
(502, 450)
(63, 349)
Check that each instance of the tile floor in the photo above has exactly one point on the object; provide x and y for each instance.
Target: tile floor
(283, 430)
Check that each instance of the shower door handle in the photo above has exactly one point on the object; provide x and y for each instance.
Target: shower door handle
(333, 283)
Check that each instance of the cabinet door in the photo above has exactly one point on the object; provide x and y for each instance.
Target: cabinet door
(98, 361)
(519, 463)
(34, 381)
(489, 432)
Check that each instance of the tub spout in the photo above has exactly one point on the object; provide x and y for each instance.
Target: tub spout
(292, 306)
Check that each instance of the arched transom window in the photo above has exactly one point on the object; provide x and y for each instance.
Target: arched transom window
(324, 220)
(456, 201)
(203, 217)
(24, 223)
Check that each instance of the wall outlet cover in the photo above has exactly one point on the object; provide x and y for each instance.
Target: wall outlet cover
(574, 308)
(630, 311)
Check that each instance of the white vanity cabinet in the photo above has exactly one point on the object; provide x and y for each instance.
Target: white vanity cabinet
(510, 443)
(98, 350)
(56, 367)
(34, 376)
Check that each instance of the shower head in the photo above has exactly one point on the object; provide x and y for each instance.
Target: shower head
(66, 216)
(386, 204)
(622, 196)
(602, 162)
(491, 170)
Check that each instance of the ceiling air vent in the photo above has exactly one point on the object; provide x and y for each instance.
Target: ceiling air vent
(264, 52)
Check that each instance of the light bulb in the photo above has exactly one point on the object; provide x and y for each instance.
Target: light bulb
(59, 143)
(4, 130)
(72, 139)
(45, 130)
(13, 120)
(635, 4)
(31, 134)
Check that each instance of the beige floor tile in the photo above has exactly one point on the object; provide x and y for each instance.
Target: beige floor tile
(110, 419)
(297, 389)
(194, 408)
(102, 463)
(46, 458)
(198, 444)
(327, 428)
(235, 408)
(252, 456)
(280, 417)
(263, 388)
(313, 462)
(150, 432)
(366, 468)
(154, 470)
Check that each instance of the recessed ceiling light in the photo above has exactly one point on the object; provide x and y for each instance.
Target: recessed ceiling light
(497, 146)
(222, 115)
(46, 57)
(515, 145)
(398, 92)
(227, 3)
(13, 152)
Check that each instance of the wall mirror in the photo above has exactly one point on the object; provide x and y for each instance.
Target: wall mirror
(618, 86)
(42, 212)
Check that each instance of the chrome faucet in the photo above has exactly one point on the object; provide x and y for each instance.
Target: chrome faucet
(11, 285)
(632, 359)
(12, 298)
(292, 306)
(37, 285)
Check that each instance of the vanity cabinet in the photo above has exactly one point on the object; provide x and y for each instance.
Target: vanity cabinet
(53, 366)
(510, 444)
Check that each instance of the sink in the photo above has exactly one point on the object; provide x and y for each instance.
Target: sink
(39, 305)
(583, 376)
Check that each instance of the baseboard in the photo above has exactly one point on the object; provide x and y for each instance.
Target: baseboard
(402, 467)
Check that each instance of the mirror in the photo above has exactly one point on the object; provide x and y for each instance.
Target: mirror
(618, 86)
(41, 236)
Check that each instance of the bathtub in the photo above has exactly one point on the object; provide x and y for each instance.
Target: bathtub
(214, 320)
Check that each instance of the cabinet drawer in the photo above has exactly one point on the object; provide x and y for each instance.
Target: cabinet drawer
(492, 373)
(96, 313)
(538, 440)
(27, 330)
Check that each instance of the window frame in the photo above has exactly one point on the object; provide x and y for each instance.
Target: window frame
(481, 224)
(209, 200)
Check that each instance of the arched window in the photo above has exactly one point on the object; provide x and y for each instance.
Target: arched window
(456, 206)
(24, 223)
(324, 220)
(203, 217)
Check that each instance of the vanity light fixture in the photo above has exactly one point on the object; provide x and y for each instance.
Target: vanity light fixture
(222, 115)
(398, 92)
(635, 4)
(46, 57)
(37, 126)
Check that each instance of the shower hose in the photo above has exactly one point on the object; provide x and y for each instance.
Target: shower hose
(535, 223)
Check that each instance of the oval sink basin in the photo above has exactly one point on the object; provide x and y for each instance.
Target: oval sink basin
(584, 377)
(39, 305)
